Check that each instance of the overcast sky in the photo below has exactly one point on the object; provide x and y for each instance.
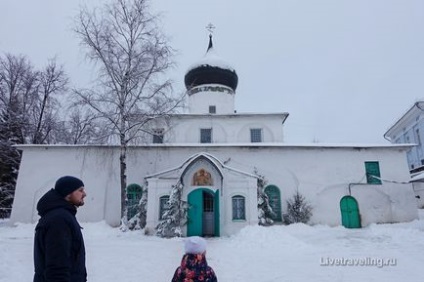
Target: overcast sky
(345, 71)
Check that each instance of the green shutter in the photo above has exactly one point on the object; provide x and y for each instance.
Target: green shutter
(372, 169)
(216, 210)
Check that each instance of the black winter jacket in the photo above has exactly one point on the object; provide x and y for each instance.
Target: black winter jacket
(59, 252)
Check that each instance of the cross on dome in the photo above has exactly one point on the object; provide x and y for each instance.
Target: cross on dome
(210, 27)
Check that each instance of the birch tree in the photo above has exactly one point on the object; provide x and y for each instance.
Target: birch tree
(131, 55)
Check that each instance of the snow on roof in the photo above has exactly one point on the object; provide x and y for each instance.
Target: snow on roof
(418, 178)
(206, 155)
(253, 145)
(211, 59)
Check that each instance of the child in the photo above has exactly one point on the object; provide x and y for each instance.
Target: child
(193, 264)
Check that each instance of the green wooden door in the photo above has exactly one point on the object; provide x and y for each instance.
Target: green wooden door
(216, 210)
(350, 212)
(195, 213)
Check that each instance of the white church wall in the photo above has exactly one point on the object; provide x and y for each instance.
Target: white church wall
(152, 196)
(313, 171)
(247, 188)
(223, 101)
(309, 169)
(225, 128)
(243, 135)
(101, 175)
(402, 199)
(156, 189)
(41, 167)
(374, 205)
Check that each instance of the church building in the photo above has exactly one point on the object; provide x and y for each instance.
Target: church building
(217, 154)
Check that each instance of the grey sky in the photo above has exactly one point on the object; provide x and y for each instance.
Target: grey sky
(344, 70)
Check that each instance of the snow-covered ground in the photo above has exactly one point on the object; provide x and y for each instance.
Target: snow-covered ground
(385, 252)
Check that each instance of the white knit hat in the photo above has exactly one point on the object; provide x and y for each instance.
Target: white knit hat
(195, 245)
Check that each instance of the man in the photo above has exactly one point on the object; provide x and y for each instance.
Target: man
(59, 252)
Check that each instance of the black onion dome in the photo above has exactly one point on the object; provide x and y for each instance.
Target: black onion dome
(211, 70)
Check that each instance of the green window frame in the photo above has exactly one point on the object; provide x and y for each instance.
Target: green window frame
(239, 207)
(274, 198)
(134, 193)
(163, 206)
(372, 171)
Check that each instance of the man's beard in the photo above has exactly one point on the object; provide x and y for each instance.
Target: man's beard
(80, 203)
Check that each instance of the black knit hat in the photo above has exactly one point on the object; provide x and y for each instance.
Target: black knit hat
(67, 184)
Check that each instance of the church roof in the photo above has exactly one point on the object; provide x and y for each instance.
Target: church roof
(211, 69)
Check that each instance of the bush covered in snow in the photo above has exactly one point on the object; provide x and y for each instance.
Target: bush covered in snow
(265, 212)
(298, 210)
(175, 215)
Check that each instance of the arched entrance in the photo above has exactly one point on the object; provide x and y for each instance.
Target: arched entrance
(350, 212)
(274, 198)
(203, 213)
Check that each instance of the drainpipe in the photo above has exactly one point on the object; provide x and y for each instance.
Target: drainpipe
(352, 184)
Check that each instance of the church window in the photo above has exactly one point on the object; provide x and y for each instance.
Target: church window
(134, 192)
(255, 135)
(372, 170)
(417, 131)
(239, 209)
(163, 206)
(273, 193)
(206, 135)
(212, 109)
(158, 136)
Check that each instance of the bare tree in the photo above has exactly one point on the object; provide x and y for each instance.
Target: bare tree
(84, 127)
(132, 55)
(18, 91)
(28, 96)
(52, 81)
(27, 113)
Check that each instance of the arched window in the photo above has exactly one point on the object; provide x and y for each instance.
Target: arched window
(134, 193)
(239, 208)
(163, 206)
(274, 199)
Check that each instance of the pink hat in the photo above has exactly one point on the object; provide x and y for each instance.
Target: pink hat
(195, 245)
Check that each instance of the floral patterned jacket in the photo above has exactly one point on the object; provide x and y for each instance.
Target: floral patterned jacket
(194, 268)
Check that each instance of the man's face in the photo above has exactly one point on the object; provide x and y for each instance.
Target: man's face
(77, 197)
